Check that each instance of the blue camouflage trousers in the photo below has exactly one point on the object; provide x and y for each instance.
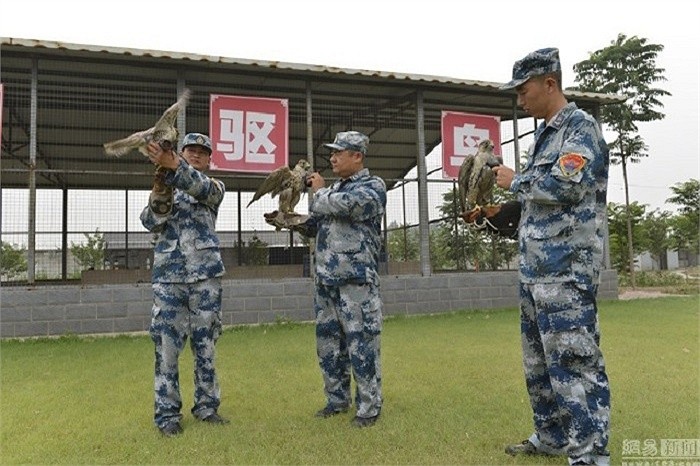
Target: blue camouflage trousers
(182, 310)
(348, 329)
(564, 370)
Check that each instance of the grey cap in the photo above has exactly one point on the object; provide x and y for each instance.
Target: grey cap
(350, 140)
(537, 63)
(197, 139)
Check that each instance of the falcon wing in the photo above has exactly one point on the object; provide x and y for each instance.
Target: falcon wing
(167, 120)
(136, 141)
(474, 186)
(163, 130)
(465, 171)
(484, 187)
(275, 182)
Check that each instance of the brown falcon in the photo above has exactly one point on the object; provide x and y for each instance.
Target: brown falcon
(164, 132)
(476, 179)
(287, 183)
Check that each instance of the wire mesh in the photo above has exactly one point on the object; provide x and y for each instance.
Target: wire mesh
(85, 199)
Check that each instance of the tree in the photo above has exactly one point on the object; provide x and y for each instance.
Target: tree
(13, 261)
(255, 252)
(655, 226)
(687, 196)
(453, 237)
(626, 67)
(618, 218)
(455, 245)
(403, 243)
(686, 225)
(90, 256)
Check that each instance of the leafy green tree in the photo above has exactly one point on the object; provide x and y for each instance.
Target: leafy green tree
(90, 255)
(501, 252)
(13, 261)
(453, 240)
(686, 225)
(452, 234)
(687, 195)
(655, 226)
(440, 256)
(683, 234)
(403, 243)
(457, 246)
(255, 252)
(626, 67)
(618, 218)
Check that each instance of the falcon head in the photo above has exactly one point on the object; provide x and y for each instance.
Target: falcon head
(486, 147)
(303, 165)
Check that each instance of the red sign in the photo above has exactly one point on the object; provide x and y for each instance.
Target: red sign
(248, 134)
(461, 135)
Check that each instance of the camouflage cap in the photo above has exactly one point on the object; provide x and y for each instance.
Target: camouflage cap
(349, 140)
(197, 139)
(537, 63)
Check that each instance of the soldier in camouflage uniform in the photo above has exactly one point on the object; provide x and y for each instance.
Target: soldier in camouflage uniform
(562, 190)
(187, 270)
(346, 220)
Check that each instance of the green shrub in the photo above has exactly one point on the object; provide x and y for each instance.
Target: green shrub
(656, 278)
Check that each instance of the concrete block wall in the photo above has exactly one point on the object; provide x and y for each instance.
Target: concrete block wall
(122, 308)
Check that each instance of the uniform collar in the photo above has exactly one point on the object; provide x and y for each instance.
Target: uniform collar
(558, 120)
(364, 172)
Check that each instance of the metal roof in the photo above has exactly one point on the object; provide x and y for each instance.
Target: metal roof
(88, 94)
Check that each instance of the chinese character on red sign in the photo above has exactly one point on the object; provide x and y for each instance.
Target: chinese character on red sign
(461, 135)
(248, 134)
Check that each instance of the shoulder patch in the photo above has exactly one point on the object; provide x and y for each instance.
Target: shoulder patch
(571, 163)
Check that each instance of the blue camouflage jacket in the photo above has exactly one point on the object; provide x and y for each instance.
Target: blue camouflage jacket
(346, 219)
(562, 190)
(186, 245)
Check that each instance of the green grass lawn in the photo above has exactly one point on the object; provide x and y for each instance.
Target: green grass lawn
(453, 387)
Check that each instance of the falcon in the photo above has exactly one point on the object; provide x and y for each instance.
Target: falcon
(476, 179)
(287, 183)
(164, 132)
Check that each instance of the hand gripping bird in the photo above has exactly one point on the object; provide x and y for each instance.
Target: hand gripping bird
(287, 183)
(163, 132)
(476, 180)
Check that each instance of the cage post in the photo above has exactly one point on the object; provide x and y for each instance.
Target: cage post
(423, 217)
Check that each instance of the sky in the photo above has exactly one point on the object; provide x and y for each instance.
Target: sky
(451, 38)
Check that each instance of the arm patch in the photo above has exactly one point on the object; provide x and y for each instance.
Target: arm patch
(571, 163)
